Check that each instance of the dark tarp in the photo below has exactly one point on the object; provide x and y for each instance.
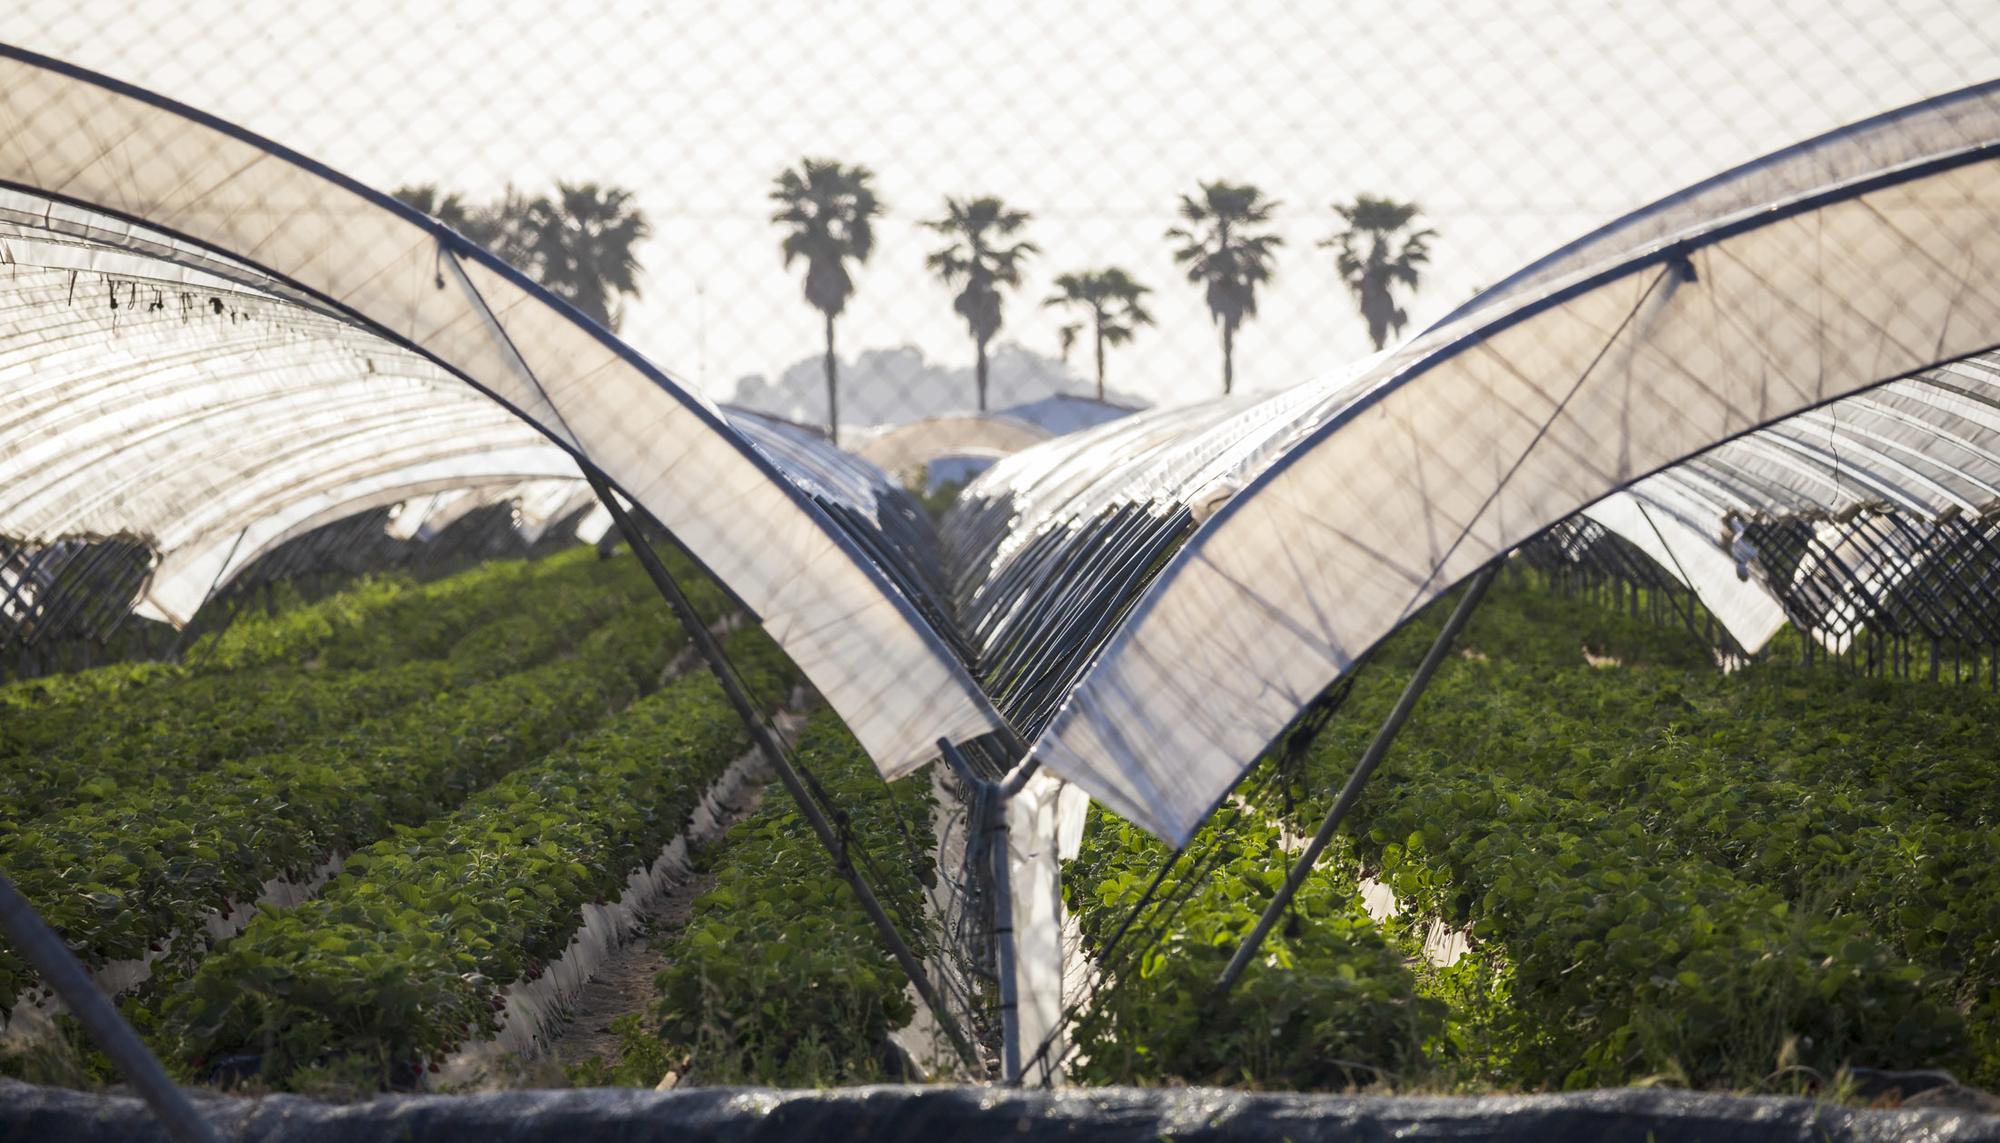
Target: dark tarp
(973, 1115)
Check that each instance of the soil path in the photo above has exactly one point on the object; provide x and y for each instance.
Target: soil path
(625, 984)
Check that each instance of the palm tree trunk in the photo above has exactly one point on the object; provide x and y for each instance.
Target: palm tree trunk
(1100, 359)
(1228, 358)
(979, 371)
(832, 387)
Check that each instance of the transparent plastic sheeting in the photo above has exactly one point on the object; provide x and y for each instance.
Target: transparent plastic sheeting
(1925, 448)
(538, 504)
(492, 475)
(1927, 445)
(1042, 547)
(146, 178)
(1906, 135)
(1479, 434)
(188, 575)
(1045, 823)
(1744, 607)
(214, 421)
(1047, 546)
(877, 513)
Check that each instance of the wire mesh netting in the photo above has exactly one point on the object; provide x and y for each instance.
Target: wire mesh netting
(858, 226)
(229, 363)
(918, 211)
(1512, 128)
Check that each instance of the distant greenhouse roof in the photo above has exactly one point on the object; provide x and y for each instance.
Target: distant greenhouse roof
(1061, 413)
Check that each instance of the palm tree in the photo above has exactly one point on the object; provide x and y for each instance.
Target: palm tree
(981, 257)
(580, 245)
(829, 209)
(1114, 302)
(448, 207)
(506, 228)
(1373, 263)
(1223, 252)
(498, 227)
(1066, 337)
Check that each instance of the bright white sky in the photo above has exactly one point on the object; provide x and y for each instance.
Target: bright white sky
(1517, 125)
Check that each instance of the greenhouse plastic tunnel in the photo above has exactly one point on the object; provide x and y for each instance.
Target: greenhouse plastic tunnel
(1860, 258)
(232, 345)
(106, 174)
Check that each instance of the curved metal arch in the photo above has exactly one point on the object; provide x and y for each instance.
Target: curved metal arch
(1875, 143)
(1237, 633)
(208, 562)
(196, 180)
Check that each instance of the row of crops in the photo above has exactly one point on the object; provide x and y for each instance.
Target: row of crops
(421, 786)
(327, 851)
(1746, 880)
(1653, 870)
(427, 927)
(335, 847)
(778, 977)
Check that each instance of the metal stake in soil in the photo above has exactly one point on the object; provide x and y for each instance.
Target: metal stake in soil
(774, 753)
(1371, 758)
(59, 969)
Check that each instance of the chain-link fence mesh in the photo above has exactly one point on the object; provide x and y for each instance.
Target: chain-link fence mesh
(1510, 127)
(1061, 211)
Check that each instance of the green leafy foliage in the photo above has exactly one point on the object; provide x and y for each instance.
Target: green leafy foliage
(50, 713)
(1328, 1004)
(641, 1058)
(1662, 869)
(778, 976)
(293, 632)
(161, 732)
(23, 700)
(144, 859)
(404, 956)
(118, 879)
(383, 621)
(1669, 870)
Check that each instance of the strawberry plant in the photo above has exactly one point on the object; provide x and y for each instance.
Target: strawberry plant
(1328, 1003)
(404, 957)
(119, 877)
(141, 857)
(23, 700)
(157, 747)
(778, 976)
(382, 621)
(265, 660)
(1666, 869)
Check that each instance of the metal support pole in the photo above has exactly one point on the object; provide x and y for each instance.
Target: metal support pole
(59, 969)
(991, 801)
(999, 840)
(1371, 758)
(774, 753)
